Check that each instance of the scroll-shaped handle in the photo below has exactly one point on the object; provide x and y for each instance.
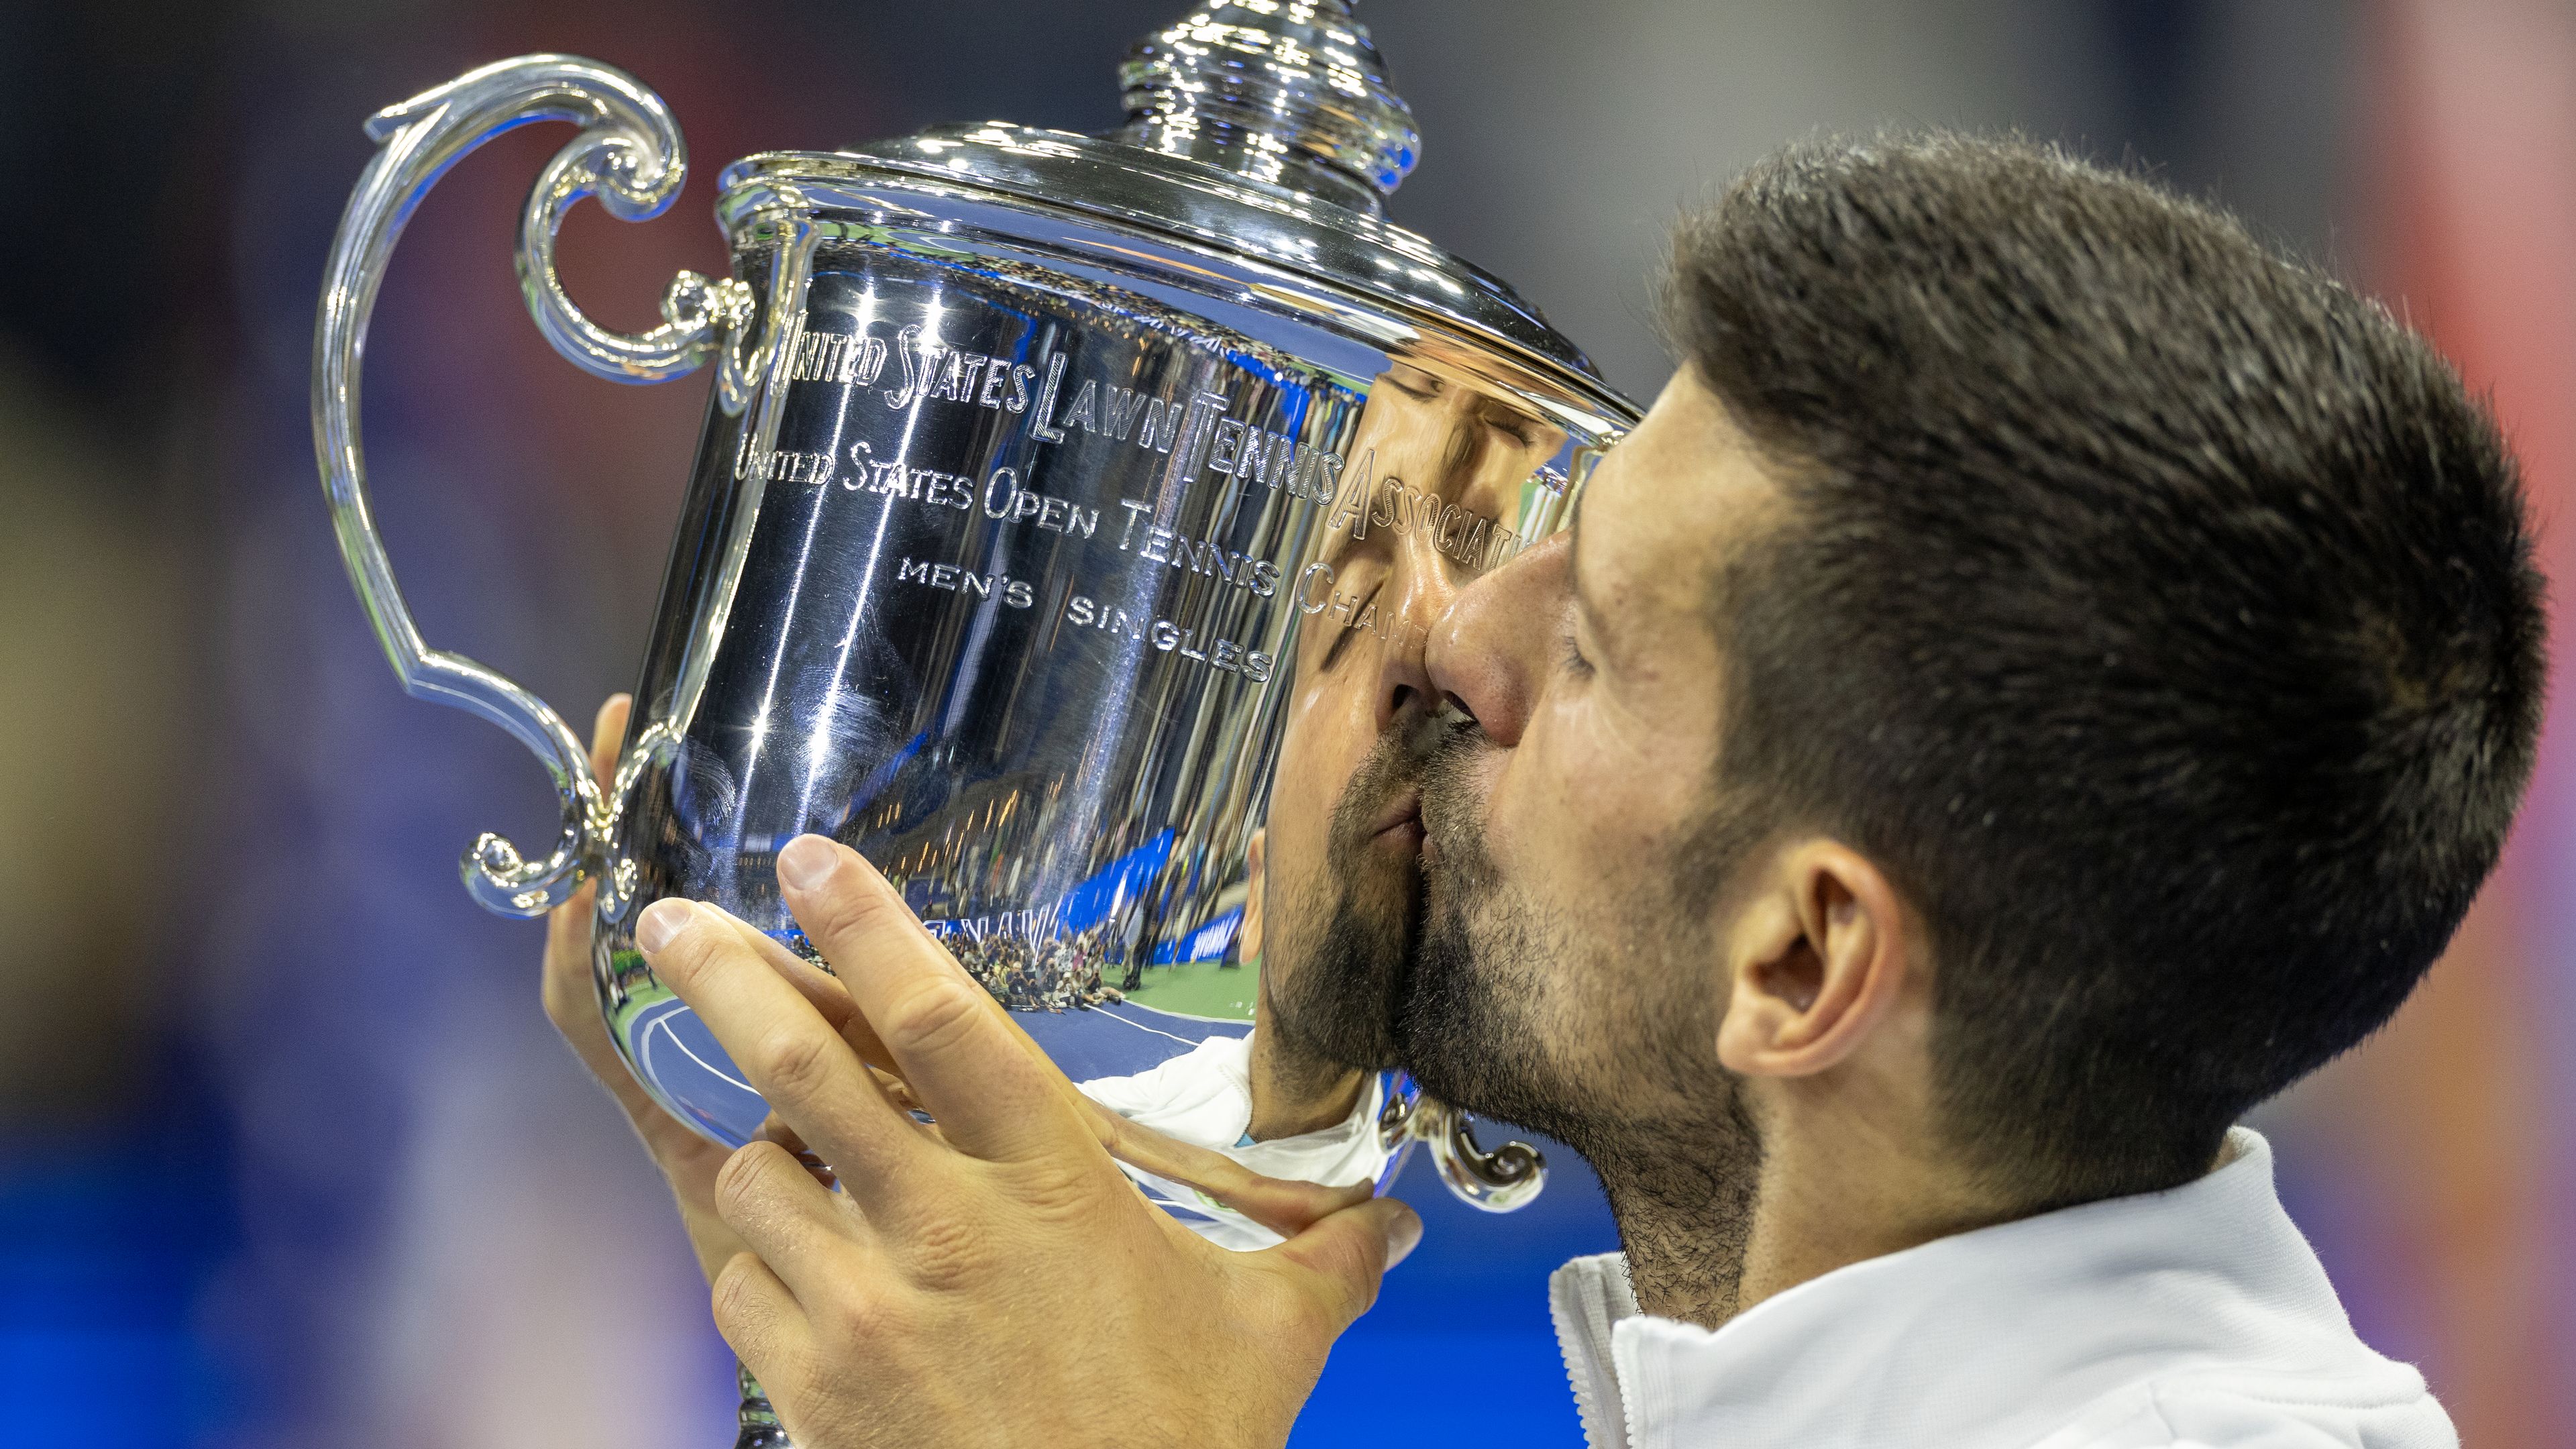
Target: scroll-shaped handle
(1498, 1181)
(629, 156)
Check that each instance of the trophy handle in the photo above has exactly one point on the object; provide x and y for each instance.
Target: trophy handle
(628, 155)
(1499, 1181)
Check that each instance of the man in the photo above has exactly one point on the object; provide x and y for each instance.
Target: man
(2046, 675)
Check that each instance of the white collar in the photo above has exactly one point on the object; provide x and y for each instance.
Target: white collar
(2118, 1321)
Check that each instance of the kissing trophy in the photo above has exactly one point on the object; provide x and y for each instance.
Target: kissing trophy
(1058, 502)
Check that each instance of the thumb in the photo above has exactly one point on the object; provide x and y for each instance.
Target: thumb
(1340, 1259)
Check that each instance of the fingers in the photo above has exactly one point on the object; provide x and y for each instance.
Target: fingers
(572, 1004)
(964, 1061)
(759, 1318)
(1335, 1266)
(570, 999)
(608, 735)
(565, 985)
(774, 1130)
(790, 1054)
(820, 988)
(832, 999)
(781, 1213)
(1284, 1207)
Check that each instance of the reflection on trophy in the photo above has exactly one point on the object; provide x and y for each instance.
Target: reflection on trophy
(1285, 1101)
(1063, 509)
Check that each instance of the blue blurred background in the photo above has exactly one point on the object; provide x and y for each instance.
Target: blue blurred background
(288, 1155)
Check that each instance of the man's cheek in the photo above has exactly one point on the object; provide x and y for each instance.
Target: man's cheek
(1548, 792)
(1309, 780)
(1603, 802)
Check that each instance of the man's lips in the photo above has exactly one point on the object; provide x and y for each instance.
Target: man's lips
(1400, 823)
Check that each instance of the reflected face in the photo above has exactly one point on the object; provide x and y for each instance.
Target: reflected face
(1343, 827)
(1567, 976)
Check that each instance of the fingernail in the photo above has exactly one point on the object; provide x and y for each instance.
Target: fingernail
(1403, 1235)
(661, 922)
(807, 862)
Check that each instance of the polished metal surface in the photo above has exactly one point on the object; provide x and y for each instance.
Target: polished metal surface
(1496, 1181)
(629, 156)
(1283, 246)
(1287, 92)
(1059, 505)
(755, 1421)
(1031, 557)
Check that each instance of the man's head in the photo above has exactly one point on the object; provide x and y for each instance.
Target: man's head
(2048, 674)
(1338, 862)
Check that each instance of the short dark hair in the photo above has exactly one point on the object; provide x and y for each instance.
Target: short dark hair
(2157, 612)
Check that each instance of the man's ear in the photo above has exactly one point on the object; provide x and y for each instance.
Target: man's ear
(1815, 960)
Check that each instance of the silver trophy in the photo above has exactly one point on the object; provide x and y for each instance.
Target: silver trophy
(1049, 485)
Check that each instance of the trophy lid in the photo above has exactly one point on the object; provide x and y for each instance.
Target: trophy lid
(1289, 93)
(1265, 129)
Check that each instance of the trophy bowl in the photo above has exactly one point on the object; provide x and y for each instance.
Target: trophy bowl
(1058, 502)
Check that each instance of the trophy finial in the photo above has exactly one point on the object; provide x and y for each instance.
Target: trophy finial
(1289, 92)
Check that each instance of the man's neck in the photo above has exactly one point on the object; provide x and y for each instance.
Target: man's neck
(1804, 1230)
(1707, 1239)
(1818, 1201)
(1685, 1223)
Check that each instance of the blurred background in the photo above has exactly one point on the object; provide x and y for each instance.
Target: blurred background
(288, 1155)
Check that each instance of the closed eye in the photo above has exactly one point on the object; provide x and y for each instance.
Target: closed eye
(1574, 661)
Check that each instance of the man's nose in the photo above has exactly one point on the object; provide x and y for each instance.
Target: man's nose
(1423, 594)
(1425, 590)
(1488, 653)
(1403, 681)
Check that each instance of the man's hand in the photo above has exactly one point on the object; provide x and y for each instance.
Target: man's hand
(572, 1003)
(690, 1162)
(995, 1279)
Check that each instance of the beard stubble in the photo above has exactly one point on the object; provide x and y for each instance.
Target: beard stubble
(1493, 1019)
(1332, 998)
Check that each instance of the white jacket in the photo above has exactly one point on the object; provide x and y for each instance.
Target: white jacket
(2197, 1319)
